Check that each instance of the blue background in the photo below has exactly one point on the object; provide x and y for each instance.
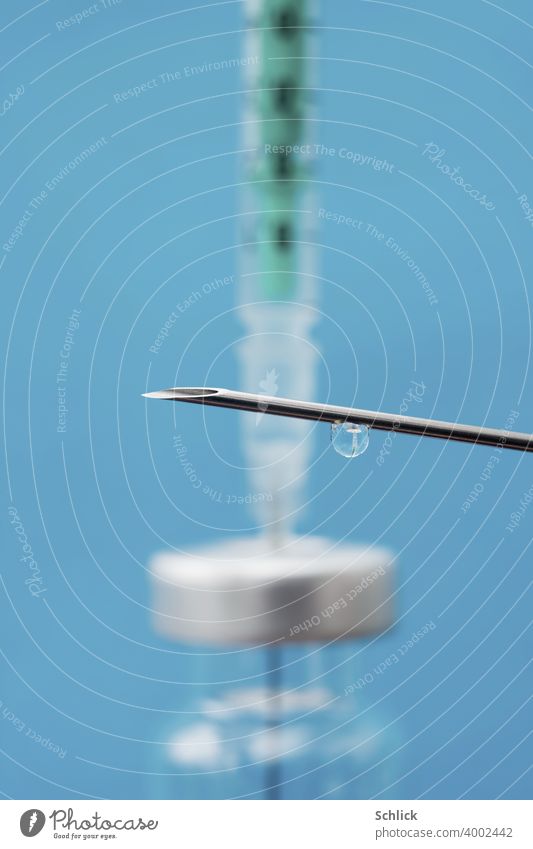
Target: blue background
(149, 218)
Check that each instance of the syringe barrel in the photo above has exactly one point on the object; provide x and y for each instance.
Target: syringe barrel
(278, 287)
(277, 223)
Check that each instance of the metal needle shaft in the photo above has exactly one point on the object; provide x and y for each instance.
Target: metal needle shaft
(331, 413)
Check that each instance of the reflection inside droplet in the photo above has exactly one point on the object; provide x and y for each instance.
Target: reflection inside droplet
(349, 439)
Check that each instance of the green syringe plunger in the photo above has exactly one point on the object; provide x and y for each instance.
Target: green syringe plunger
(278, 176)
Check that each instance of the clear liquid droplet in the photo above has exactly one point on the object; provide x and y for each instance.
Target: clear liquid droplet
(349, 439)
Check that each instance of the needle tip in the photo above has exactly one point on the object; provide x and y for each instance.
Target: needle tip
(181, 393)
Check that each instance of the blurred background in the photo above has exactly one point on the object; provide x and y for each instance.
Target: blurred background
(122, 152)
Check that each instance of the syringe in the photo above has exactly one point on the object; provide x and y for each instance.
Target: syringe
(277, 291)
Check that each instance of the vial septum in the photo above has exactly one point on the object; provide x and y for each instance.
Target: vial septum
(349, 439)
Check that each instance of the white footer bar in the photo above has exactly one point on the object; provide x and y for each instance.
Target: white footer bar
(268, 825)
